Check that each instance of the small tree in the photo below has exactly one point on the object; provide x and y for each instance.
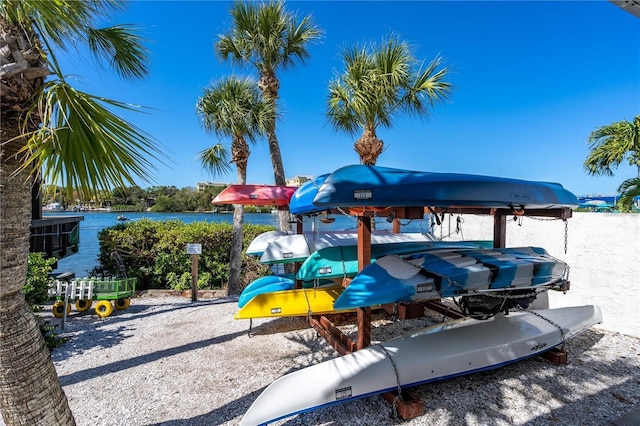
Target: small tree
(36, 290)
(611, 145)
(378, 84)
(233, 108)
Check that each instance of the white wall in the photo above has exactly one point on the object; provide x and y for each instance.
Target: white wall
(603, 253)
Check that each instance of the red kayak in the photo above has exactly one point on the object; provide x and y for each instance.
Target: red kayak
(256, 195)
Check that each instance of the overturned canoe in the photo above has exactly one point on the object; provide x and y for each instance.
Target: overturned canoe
(435, 353)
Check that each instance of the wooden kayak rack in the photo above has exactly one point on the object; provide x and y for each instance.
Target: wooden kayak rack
(407, 405)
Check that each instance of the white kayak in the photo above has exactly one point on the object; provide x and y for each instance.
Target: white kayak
(438, 352)
(297, 247)
(262, 241)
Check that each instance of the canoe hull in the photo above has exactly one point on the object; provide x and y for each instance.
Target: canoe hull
(291, 303)
(435, 353)
(361, 185)
(256, 195)
(449, 273)
(298, 247)
(338, 262)
(262, 241)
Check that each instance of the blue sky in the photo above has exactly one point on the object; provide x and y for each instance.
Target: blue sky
(532, 80)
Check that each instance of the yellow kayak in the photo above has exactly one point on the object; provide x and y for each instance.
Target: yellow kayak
(292, 303)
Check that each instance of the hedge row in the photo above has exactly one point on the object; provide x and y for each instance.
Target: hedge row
(155, 253)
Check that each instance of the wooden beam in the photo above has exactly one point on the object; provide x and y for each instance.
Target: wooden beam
(436, 305)
(364, 259)
(499, 231)
(338, 340)
(296, 265)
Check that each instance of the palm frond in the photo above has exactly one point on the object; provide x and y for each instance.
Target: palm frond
(215, 160)
(380, 82)
(628, 190)
(611, 144)
(123, 49)
(83, 145)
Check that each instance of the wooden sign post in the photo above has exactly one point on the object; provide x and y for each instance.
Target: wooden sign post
(194, 250)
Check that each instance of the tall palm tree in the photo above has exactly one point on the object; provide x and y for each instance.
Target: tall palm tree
(267, 37)
(612, 144)
(233, 108)
(51, 130)
(378, 84)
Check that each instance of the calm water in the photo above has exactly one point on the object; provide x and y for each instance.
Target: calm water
(86, 258)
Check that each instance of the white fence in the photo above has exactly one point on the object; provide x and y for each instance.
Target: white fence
(603, 252)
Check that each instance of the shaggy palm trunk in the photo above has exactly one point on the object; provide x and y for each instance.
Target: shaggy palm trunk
(369, 147)
(235, 255)
(30, 393)
(270, 85)
(240, 156)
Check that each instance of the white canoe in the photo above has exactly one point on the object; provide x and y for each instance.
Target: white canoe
(297, 247)
(438, 352)
(262, 241)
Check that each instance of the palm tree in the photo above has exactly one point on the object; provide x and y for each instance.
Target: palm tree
(51, 130)
(267, 37)
(233, 108)
(612, 144)
(628, 190)
(378, 84)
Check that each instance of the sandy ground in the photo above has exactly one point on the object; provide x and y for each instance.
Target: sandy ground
(170, 361)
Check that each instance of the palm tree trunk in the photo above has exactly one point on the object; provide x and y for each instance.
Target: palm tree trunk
(235, 255)
(369, 147)
(30, 393)
(278, 173)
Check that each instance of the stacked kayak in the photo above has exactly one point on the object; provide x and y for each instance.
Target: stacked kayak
(451, 272)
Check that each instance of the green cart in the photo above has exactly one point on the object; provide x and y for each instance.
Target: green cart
(84, 291)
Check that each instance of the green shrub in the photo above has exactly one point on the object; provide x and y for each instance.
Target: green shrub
(155, 253)
(50, 336)
(38, 279)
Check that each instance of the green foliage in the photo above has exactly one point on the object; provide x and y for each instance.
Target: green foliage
(155, 253)
(51, 338)
(38, 279)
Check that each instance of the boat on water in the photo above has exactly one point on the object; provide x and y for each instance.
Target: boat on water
(438, 352)
(53, 207)
(122, 218)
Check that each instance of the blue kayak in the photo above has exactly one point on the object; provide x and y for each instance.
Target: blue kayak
(302, 200)
(449, 273)
(342, 261)
(265, 284)
(272, 283)
(375, 186)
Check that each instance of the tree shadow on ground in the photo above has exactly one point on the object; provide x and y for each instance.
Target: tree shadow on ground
(587, 384)
(91, 373)
(86, 331)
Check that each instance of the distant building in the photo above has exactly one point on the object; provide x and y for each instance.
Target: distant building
(201, 186)
(298, 180)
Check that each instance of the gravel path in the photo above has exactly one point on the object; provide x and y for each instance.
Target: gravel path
(170, 361)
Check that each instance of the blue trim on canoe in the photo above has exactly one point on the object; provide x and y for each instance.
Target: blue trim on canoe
(418, 383)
